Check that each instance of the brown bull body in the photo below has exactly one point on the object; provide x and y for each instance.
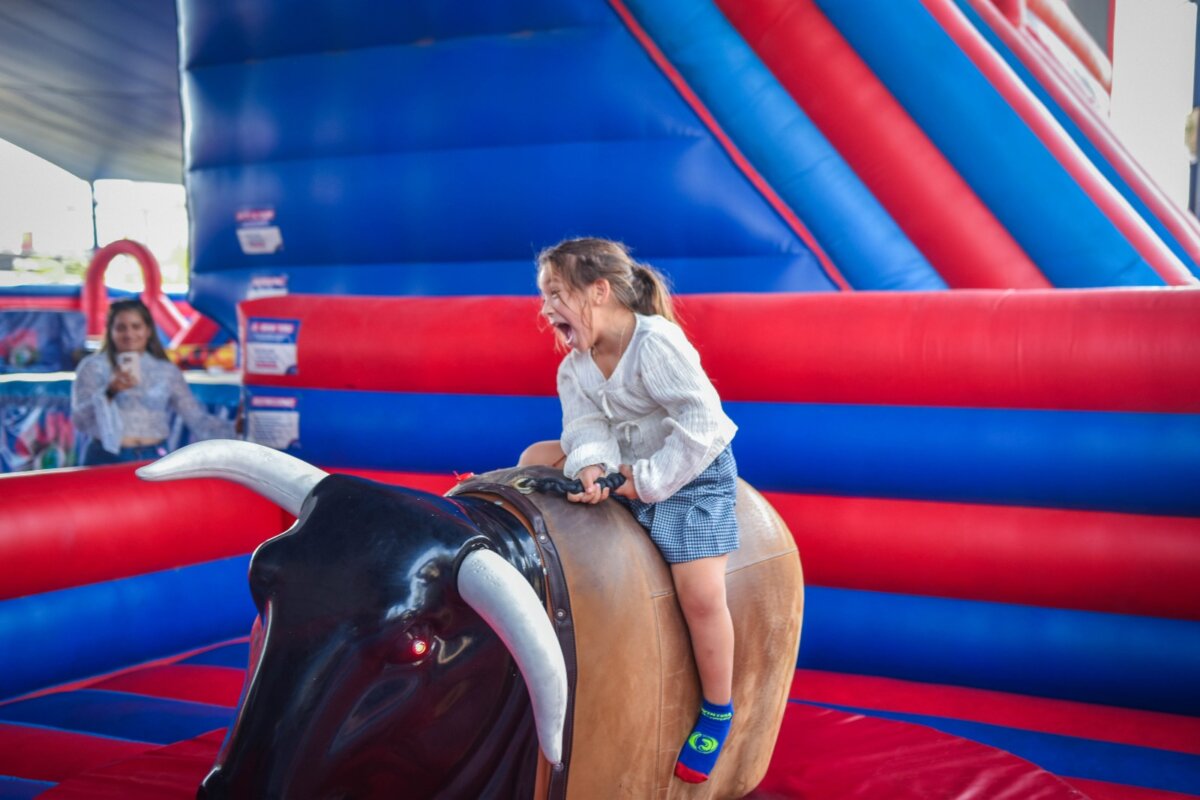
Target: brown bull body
(425, 647)
(634, 686)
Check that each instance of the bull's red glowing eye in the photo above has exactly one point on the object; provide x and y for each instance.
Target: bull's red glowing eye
(419, 647)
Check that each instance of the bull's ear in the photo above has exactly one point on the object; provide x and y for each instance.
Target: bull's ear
(506, 601)
(282, 479)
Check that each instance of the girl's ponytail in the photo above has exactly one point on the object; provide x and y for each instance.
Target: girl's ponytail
(653, 297)
(581, 262)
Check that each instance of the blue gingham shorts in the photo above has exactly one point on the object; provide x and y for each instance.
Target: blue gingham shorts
(698, 521)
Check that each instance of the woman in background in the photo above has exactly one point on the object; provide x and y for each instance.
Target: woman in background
(124, 395)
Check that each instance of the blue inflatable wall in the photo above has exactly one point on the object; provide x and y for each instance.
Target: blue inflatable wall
(430, 151)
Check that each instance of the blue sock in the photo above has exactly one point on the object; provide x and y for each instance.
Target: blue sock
(703, 745)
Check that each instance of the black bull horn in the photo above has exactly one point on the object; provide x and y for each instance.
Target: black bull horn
(495, 589)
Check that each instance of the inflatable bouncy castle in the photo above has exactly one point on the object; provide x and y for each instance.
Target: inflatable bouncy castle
(957, 325)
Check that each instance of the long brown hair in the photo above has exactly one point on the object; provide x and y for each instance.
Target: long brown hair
(153, 345)
(581, 262)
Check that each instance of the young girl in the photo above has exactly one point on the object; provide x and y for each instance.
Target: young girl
(636, 400)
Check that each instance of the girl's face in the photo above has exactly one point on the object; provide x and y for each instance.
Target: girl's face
(564, 308)
(130, 333)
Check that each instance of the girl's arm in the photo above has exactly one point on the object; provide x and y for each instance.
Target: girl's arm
(587, 438)
(201, 424)
(92, 412)
(672, 375)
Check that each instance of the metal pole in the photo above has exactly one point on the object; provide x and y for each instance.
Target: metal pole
(1194, 183)
(95, 232)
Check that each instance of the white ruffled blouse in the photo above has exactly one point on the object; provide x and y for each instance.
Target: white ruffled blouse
(658, 411)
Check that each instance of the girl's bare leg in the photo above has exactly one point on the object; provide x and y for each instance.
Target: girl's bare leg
(700, 586)
(543, 454)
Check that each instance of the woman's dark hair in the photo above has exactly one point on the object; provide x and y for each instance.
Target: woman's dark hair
(153, 345)
(581, 262)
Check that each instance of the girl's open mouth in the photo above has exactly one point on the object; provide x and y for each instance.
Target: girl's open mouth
(567, 332)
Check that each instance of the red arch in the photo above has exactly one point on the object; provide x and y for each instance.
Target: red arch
(95, 296)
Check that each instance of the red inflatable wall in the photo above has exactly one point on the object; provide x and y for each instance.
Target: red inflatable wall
(1109, 350)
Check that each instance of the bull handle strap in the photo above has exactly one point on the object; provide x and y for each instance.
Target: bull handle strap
(562, 486)
(556, 589)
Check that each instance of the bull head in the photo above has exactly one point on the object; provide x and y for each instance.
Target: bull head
(384, 619)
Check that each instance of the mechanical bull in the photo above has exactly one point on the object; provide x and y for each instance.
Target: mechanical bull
(393, 625)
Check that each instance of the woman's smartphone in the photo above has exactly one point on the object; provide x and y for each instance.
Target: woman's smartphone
(130, 364)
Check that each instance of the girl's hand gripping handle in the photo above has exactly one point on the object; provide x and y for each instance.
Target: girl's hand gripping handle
(573, 490)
